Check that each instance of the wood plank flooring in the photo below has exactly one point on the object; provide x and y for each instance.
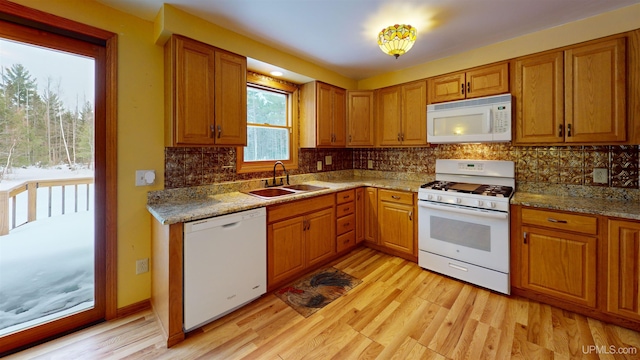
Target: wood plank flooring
(400, 311)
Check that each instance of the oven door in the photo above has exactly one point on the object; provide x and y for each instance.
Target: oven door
(475, 236)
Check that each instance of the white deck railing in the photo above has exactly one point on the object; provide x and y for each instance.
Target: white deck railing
(9, 201)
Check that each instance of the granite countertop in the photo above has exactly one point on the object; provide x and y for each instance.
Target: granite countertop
(627, 209)
(183, 209)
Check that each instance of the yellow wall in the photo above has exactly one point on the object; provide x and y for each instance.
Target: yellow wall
(140, 95)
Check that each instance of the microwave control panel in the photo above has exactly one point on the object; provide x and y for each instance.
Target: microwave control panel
(501, 118)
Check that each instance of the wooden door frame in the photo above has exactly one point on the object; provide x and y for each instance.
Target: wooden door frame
(106, 117)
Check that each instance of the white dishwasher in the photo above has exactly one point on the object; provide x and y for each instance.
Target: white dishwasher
(225, 264)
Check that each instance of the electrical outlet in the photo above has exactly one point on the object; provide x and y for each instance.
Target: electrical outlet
(370, 164)
(142, 266)
(327, 160)
(601, 176)
(319, 165)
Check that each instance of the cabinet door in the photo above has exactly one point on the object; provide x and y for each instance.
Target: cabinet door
(595, 107)
(324, 109)
(285, 242)
(371, 215)
(414, 113)
(623, 295)
(488, 80)
(339, 117)
(389, 116)
(231, 99)
(559, 264)
(396, 226)
(193, 119)
(360, 223)
(320, 236)
(447, 88)
(539, 95)
(360, 118)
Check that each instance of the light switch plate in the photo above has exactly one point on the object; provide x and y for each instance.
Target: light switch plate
(327, 160)
(145, 177)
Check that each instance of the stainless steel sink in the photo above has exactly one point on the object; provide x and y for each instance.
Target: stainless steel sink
(303, 187)
(271, 192)
(268, 193)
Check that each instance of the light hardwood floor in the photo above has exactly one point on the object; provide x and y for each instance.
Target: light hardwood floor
(400, 311)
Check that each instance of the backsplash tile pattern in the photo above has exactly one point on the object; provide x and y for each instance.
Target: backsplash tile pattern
(541, 165)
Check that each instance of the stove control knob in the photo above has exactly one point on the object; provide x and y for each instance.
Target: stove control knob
(439, 198)
(492, 204)
(479, 202)
(429, 197)
(458, 200)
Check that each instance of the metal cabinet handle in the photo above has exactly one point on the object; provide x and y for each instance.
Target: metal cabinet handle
(410, 215)
(219, 131)
(346, 241)
(395, 197)
(346, 209)
(349, 137)
(556, 221)
(525, 237)
(560, 130)
(461, 89)
(398, 136)
(468, 87)
(212, 129)
(569, 130)
(346, 224)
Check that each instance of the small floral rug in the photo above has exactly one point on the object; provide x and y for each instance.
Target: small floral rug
(317, 290)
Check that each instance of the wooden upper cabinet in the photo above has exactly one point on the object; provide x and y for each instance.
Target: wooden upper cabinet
(623, 270)
(477, 82)
(323, 115)
(231, 99)
(595, 92)
(360, 118)
(573, 96)
(539, 92)
(402, 114)
(206, 95)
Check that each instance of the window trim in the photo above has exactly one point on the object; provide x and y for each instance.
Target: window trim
(265, 82)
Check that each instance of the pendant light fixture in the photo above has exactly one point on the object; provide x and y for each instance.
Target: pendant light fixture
(397, 39)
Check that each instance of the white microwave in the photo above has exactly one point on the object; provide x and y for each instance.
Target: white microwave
(486, 119)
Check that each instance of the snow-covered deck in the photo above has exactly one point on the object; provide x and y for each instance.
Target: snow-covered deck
(46, 270)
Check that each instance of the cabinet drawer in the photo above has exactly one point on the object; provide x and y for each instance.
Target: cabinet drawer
(346, 240)
(400, 197)
(296, 208)
(345, 209)
(563, 221)
(345, 196)
(346, 223)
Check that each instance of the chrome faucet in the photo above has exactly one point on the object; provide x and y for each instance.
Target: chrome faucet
(274, 173)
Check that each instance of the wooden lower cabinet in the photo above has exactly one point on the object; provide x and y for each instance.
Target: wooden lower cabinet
(396, 225)
(584, 263)
(623, 271)
(300, 235)
(371, 215)
(360, 204)
(559, 264)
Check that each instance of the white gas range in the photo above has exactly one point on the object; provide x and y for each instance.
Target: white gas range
(463, 221)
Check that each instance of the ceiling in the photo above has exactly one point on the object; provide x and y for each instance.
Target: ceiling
(341, 35)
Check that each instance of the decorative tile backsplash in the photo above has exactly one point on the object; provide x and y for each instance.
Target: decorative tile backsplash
(561, 165)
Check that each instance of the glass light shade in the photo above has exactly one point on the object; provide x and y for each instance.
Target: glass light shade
(397, 39)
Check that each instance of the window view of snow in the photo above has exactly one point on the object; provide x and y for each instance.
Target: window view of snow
(46, 143)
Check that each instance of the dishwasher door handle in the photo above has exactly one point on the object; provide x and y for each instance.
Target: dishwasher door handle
(232, 225)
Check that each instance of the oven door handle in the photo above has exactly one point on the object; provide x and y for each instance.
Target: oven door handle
(455, 209)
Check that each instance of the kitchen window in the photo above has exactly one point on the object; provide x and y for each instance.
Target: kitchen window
(271, 131)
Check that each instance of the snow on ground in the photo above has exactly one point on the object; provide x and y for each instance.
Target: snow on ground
(46, 266)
